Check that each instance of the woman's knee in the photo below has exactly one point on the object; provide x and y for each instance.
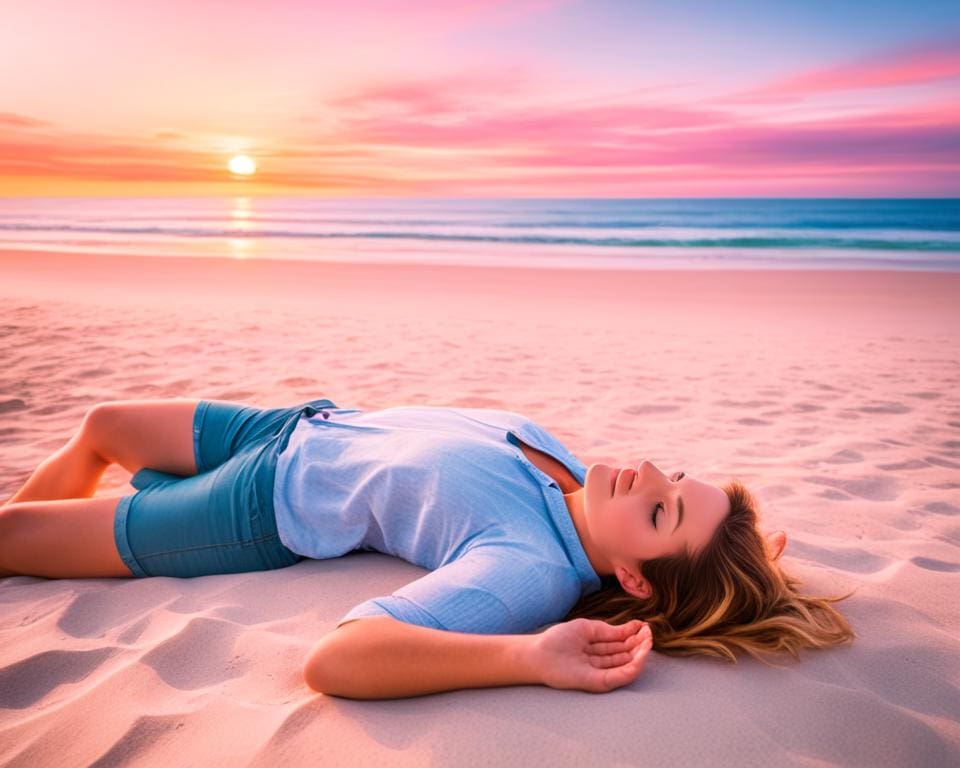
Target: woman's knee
(99, 422)
(143, 433)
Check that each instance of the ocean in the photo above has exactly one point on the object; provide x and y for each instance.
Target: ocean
(688, 233)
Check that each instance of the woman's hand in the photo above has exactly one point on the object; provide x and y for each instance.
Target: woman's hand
(592, 655)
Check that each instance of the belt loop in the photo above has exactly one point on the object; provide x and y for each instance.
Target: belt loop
(291, 422)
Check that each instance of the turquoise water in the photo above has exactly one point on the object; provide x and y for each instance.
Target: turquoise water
(805, 233)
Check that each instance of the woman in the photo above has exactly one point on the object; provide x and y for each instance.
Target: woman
(516, 531)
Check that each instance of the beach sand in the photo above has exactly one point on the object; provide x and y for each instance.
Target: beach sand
(832, 395)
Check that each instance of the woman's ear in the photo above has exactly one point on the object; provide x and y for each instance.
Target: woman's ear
(776, 542)
(633, 583)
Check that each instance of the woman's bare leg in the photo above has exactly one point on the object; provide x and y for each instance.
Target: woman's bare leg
(60, 539)
(72, 472)
(132, 433)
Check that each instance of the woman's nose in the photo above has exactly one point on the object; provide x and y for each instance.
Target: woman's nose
(646, 467)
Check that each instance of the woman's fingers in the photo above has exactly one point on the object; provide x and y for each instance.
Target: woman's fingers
(627, 672)
(612, 660)
(631, 653)
(604, 631)
(613, 632)
(641, 649)
(604, 649)
(626, 641)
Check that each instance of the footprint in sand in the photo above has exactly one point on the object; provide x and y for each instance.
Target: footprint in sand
(771, 492)
(901, 465)
(935, 565)
(835, 495)
(198, 655)
(749, 421)
(91, 373)
(132, 633)
(885, 406)
(925, 395)
(846, 456)
(91, 614)
(140, 739)
(873, 488)
(941, 462)
(45, 409)
(23, 683)
(941, 508)
(904, 523)
(851, 559)
(13, 404)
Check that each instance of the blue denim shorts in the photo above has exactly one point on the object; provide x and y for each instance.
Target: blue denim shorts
(220, 520)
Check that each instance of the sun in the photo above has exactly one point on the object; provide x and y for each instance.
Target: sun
(242, 165)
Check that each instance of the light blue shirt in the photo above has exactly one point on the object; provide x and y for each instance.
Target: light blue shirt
(448, 489)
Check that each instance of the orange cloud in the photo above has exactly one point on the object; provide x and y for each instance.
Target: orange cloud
(10, 120)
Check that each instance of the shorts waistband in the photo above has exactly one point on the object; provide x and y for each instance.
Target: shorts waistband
(310, 409)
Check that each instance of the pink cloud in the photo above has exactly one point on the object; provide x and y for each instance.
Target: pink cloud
(435, 96)
(437, 114)
(926, 63)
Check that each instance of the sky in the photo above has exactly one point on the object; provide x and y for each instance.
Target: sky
(481, 98)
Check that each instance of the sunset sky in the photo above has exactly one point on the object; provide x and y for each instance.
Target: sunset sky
(520, 98)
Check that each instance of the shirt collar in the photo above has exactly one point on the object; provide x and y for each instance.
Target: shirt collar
(542, 440)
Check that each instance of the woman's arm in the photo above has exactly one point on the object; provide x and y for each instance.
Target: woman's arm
(381, 658)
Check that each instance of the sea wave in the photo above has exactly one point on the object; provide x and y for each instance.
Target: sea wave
(743, 241)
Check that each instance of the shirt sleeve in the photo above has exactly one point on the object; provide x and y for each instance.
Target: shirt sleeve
(489, 590)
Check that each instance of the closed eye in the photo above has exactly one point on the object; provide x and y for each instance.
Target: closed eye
(653, 517)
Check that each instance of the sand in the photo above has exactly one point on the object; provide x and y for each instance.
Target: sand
(833, 395)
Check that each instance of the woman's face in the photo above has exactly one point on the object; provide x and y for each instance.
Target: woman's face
(637, 514)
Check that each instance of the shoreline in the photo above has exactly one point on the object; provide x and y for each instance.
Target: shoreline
(93, 276)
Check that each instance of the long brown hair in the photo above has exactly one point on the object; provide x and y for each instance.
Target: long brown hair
(730, 595)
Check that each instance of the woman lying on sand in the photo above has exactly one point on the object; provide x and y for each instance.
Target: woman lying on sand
(517, 533)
